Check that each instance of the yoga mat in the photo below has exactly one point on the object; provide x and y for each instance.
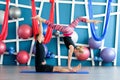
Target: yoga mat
(34, 72)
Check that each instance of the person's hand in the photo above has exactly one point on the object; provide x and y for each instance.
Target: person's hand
(96, 21)
(93, 21)
(43, 63)
(38, 18)
(70, 68)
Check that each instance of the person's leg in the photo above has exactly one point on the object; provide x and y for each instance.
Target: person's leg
(77, 21)
(60, 69)
(63, 69)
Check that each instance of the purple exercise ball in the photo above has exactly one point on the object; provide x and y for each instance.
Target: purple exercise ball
(94, 44)
(107, 54)
(45, 48)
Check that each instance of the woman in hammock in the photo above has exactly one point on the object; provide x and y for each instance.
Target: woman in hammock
(40, 63)
(67, 32)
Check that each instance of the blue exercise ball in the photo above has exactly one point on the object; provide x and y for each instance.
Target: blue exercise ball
(108, 54)
(94, 44)
(52, 55)
(11, 50)
(48, 54)
(95, 58)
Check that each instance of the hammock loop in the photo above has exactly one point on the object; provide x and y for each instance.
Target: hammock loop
(92, 26)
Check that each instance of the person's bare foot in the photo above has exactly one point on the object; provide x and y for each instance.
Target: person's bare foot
(77, 68)
(39, 18)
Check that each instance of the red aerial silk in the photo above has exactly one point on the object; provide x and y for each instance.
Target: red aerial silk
(48, 35)
(34, 22)
(4, 31)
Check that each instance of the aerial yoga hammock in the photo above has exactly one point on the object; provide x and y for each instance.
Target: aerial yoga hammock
(92, 26)
(48, 35)
(4, 31)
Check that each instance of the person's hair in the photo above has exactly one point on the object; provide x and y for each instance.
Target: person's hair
(80, 48)
(37, 36)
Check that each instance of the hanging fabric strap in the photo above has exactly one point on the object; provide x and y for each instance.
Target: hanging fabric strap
(48, 35)
(92, 26)
(34, 22)
(4, 31)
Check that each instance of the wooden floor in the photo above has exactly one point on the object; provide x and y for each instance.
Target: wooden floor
(95, 73)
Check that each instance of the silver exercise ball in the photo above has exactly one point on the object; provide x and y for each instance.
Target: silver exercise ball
(14, 12)
(1, 16)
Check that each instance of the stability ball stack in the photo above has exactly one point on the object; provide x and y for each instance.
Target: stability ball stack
(24, 31)
(84, 55)
(22, 57)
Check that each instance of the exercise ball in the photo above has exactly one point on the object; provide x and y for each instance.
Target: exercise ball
(83, 55)
(44, 28)
(94, 44)
(74, 37)
(11, 50)
(108, 54)
(34, 49)
(46, 49)
(22, 57)
(97, 58)
(14, 12)
(56, 33)
(25, 31)
(50, 54)
(2, 47)
(1, 16)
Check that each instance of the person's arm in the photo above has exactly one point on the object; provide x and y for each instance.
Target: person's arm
(40, 36)
(70, 53)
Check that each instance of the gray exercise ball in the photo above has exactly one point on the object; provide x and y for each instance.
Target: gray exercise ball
(1, 16)
(14, 12)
